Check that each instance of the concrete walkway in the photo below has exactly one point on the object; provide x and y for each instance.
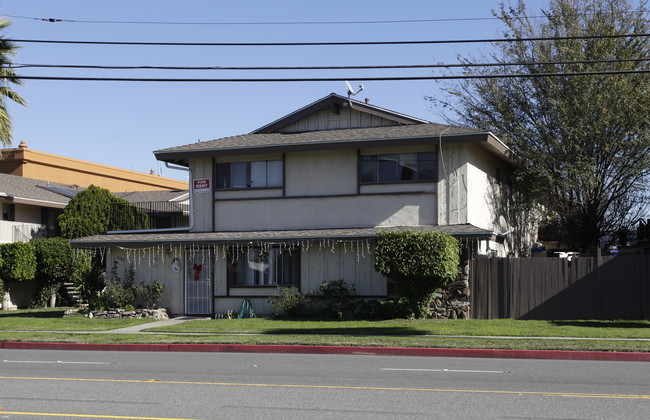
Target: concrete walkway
(155, 324)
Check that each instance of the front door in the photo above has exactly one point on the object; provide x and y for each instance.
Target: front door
(198, 287)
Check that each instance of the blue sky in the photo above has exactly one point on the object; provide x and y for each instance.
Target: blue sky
(121, 123)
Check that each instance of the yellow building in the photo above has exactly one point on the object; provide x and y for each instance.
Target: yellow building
(48, 167)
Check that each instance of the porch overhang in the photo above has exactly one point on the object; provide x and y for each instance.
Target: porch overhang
(152, 239)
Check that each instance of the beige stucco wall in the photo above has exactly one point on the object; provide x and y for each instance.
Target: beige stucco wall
(320, 191)
(325, 212)
(27, 214)
(321, 173)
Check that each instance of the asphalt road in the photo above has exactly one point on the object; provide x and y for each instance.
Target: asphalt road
(77, 384)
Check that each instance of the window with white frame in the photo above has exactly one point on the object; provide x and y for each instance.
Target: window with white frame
(264, 267)
(255, 174)
(398, 167)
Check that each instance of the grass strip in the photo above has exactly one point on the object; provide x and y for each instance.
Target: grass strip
(333, 340)
(52, 320)
(466, 327)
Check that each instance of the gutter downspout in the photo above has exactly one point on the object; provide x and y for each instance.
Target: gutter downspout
(181, 229)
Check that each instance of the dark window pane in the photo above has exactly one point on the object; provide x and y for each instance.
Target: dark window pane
(239, 176)
(389, 168)
(223, 176)
(408, 167)
(368, 168)
(427, 166)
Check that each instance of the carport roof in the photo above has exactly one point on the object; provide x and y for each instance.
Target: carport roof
(161, 238)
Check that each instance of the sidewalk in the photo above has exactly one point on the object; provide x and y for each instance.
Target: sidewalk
(156, 324)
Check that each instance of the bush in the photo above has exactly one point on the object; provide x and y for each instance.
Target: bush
(118, 296)
(419, 262)
(89, 276)
(337, 298)
(150, 294)
(42, 297)
(386, 309)
(53, 260)
(18, 262)
(289, 302)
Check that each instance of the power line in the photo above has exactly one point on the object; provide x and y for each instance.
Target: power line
(331, 22)
(267, 23)
(368, 67)
(326, 79)
(327, 43)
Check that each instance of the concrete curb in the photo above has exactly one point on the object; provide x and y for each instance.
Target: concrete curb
(374, 351)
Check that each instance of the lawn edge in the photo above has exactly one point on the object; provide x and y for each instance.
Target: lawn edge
(334, 350)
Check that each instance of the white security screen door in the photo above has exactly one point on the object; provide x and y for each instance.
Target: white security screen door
(198, 287)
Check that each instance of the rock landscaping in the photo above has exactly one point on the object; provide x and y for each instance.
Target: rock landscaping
(160, 313)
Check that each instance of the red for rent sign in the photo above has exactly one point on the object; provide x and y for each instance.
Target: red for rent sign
(202, 185)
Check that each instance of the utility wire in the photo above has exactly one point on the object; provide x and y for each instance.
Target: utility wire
(314, 44)
(369, 67)
(332, 22)
(328, 79)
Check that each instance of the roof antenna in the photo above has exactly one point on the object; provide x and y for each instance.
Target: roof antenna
(351, 92)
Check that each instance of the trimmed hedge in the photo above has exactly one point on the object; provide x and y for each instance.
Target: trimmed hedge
(18, 262)
(419, 263)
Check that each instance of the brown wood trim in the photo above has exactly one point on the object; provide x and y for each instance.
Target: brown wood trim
(302, 197)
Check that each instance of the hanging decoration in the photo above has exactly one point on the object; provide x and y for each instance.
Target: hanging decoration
(197, 271)
(228, 252)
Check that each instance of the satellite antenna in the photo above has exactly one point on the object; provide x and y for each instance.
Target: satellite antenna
(351, 91)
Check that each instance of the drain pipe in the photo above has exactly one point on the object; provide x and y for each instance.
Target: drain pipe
(180, 229)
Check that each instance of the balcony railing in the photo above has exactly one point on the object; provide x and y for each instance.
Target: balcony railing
(149, 215)
(19, 231)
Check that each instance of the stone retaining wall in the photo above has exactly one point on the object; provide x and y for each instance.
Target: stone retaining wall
(452, 301)
(160, 313)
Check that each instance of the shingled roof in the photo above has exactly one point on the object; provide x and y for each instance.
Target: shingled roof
(148, 239)
(330, 139)
(35, 191)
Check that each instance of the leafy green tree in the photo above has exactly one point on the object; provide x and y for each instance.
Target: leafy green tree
(54, 266)
(18, 263)
(583, 142)
(7, 50)
(53, 260)
(419, 263)
(95, 211)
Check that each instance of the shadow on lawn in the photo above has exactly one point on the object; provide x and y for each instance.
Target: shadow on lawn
(603, 324)
(57, 313)
(339, 330)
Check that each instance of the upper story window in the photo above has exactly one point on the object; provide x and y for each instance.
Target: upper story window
(399, 167)
(257, 174)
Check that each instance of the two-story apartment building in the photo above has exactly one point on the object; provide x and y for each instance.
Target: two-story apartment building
(300, 201)
(30, 207)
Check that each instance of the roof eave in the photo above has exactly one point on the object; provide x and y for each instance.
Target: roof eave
(182, 157)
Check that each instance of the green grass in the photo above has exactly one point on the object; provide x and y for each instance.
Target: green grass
(49, 326)
(52, 320)
(465, 327)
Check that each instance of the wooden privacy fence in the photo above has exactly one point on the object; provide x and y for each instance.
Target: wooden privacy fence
(613, 287)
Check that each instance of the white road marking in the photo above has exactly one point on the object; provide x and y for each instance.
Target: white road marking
(446, 370)
(54, 361)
